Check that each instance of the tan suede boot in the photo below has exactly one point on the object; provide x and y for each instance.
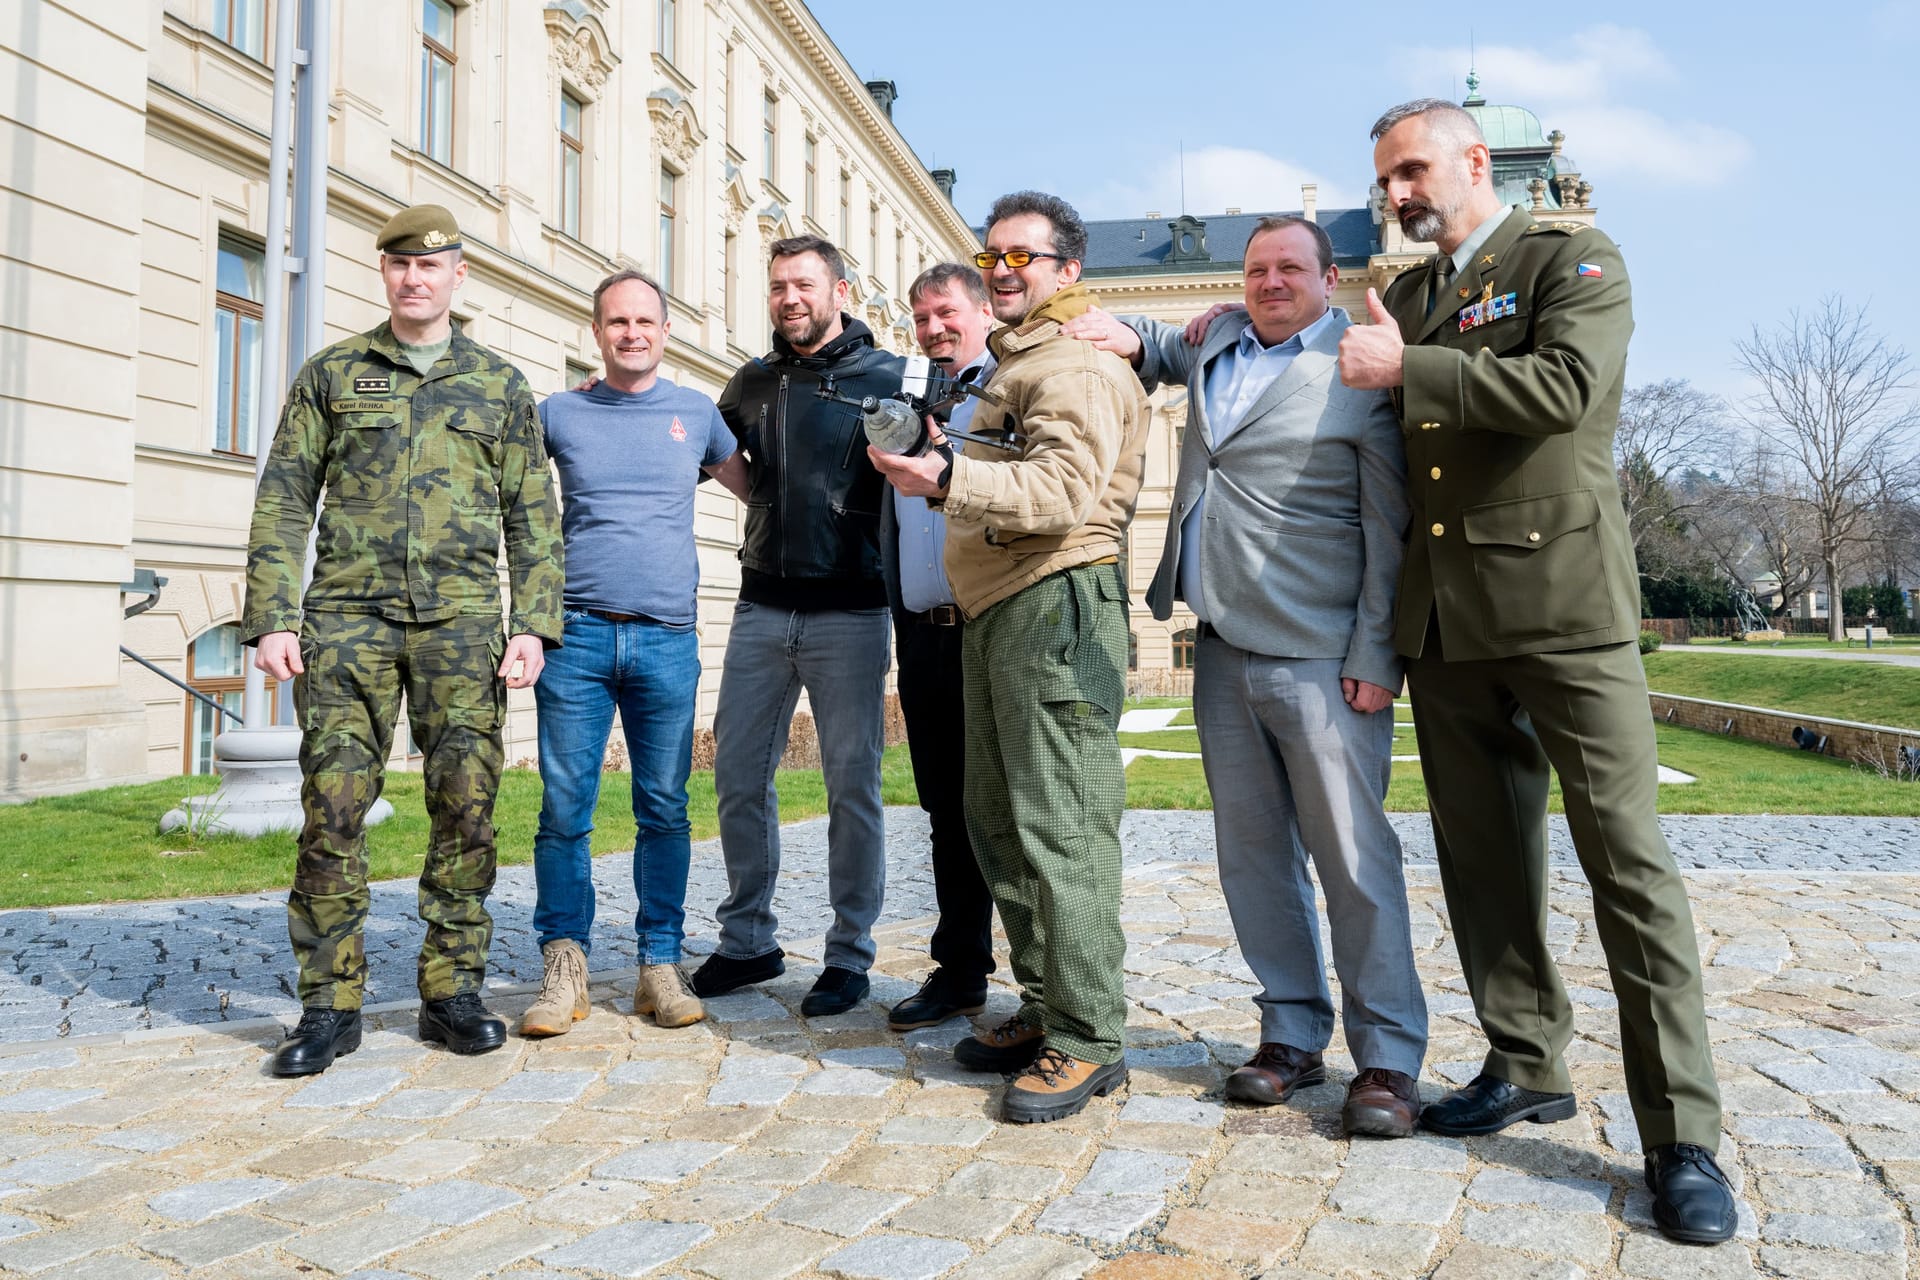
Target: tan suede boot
(1058, 1085)
(563, 991)
(662, 991)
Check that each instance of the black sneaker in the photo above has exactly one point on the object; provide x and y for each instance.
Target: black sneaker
(935, 1002)
(311, 1047)
(721, 974)
(462, 1023)
(837, 990)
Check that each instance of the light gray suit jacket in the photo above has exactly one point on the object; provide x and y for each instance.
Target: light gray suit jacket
(1306, 504)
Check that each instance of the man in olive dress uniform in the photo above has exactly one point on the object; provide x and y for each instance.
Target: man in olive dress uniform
(1518, 615)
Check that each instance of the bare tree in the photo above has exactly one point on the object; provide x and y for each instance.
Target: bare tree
(1832, 396)
(1756, 525)
(1665, 428)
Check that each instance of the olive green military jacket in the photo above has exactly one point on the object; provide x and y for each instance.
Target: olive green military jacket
(1511, 394)
(422, 474)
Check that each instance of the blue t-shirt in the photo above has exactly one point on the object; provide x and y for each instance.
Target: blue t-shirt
(628, 463)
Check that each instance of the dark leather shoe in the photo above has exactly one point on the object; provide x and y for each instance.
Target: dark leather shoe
(935, 1002)
(1057, 1086)
(1489, 1104)
(1692, 1201)
(463, 1024)
(1382, 1103)
(721, 974)
(1273, 1073)
(836, 990)
(322, 1036)
(1011, 1046)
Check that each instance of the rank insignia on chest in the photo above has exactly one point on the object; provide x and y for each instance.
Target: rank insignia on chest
(1488, 309)
(381, 385)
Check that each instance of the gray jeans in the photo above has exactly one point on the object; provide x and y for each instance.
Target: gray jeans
(841, 658)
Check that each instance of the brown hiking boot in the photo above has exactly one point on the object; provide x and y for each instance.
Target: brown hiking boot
(661, 990)
(563, 991)
(1057, 1086)
(1011, 1046)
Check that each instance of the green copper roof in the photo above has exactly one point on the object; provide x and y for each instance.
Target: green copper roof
(1507, 127)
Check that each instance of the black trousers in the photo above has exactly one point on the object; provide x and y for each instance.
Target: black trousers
(931, 701)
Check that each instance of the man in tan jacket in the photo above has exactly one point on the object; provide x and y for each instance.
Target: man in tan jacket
(1033, 546)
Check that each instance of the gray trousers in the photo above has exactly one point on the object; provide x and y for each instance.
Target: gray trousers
(1297, 773)
(840, 657)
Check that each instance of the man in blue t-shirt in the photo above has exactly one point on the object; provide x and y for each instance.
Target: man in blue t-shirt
(631, 449)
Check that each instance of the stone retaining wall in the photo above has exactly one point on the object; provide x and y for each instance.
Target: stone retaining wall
(1875, 746)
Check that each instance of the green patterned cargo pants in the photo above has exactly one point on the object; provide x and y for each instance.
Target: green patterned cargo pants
(358, 666)
(1045, 677)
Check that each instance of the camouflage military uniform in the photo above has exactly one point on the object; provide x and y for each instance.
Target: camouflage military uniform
(422, 474)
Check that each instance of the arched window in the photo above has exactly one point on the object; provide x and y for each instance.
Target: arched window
(1183, 642)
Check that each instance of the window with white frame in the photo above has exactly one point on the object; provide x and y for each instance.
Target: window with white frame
(811, 187)
(242, 24)
(669, 226)
(572, 160)
(239, 288)
(665, 31)
(770, 138)
(436, 80)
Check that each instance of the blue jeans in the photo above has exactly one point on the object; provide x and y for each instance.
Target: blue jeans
(650, 672)
(840, 657)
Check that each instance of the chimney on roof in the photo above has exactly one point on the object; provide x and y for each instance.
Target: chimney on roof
(944, 179)
(1153, 213)
(1232, 210)
(1310, 201)
(884, 92)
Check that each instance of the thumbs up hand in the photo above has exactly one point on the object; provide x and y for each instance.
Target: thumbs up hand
(1372, 356)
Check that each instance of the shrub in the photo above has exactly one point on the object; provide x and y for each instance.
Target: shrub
(1649, 641)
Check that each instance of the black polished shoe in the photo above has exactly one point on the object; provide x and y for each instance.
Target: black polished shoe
(836, 990)
(322, 1036)
(935, 1002)
(1692, 1201)
(721, 974)
(462, 1023)
(1489, 1104)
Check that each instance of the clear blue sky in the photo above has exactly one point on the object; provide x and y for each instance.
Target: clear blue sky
(1747, 159)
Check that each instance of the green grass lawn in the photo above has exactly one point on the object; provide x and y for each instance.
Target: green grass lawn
(1902, 643)
(1735, 776)
(1163, 740)
(1867, 691)
(1185, 717)
(105, 845)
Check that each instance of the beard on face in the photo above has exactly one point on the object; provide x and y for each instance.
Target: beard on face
(1423, 222)
(806, 330)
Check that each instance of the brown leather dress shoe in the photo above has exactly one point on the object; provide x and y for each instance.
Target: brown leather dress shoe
(1382, 1103)
(1274, 1072)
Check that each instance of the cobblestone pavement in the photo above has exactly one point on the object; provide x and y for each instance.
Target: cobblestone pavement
(763, 1145)
(80, 971)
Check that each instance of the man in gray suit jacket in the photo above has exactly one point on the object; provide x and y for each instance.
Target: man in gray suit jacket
(1288, 530)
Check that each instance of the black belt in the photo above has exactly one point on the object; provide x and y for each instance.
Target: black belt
(609, 615)
(941, 615)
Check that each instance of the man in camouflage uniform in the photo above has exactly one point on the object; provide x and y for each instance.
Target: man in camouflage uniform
(427, 446)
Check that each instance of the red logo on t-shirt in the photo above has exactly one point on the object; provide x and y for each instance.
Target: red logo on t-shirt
(677, 431)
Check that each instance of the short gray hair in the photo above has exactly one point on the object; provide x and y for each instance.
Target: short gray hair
(1452, 122)
(621, 277)
(942, 276)
(1322, 242)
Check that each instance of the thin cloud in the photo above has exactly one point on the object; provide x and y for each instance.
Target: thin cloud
(1580, 88)
(1217, 178)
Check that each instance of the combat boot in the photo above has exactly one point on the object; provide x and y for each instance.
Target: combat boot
(563, 991)
(661, 990)
(1058, 1085)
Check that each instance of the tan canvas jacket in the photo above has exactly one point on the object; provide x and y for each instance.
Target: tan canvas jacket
(1066, 499)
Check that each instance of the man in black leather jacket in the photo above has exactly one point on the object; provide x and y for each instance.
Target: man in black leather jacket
(812, 614)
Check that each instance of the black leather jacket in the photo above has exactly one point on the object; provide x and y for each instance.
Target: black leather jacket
(813, 510)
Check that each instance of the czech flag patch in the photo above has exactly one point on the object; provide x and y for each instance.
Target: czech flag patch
(1588, 269)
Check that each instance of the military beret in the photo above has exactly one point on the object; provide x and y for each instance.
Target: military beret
(425, 228)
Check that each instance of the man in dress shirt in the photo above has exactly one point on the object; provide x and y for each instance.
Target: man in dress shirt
(1287, 535)
(950, 322)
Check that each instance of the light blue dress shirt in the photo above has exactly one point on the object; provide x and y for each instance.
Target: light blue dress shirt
(1239, 377)
(923, 531)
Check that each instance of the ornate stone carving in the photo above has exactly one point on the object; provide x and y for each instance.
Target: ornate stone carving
(675, 127)
(579, 48)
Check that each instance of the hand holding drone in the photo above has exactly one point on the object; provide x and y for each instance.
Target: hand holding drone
(897, 424)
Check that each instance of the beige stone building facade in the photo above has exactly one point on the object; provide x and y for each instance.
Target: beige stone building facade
(569, 138)
(1173, 269)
